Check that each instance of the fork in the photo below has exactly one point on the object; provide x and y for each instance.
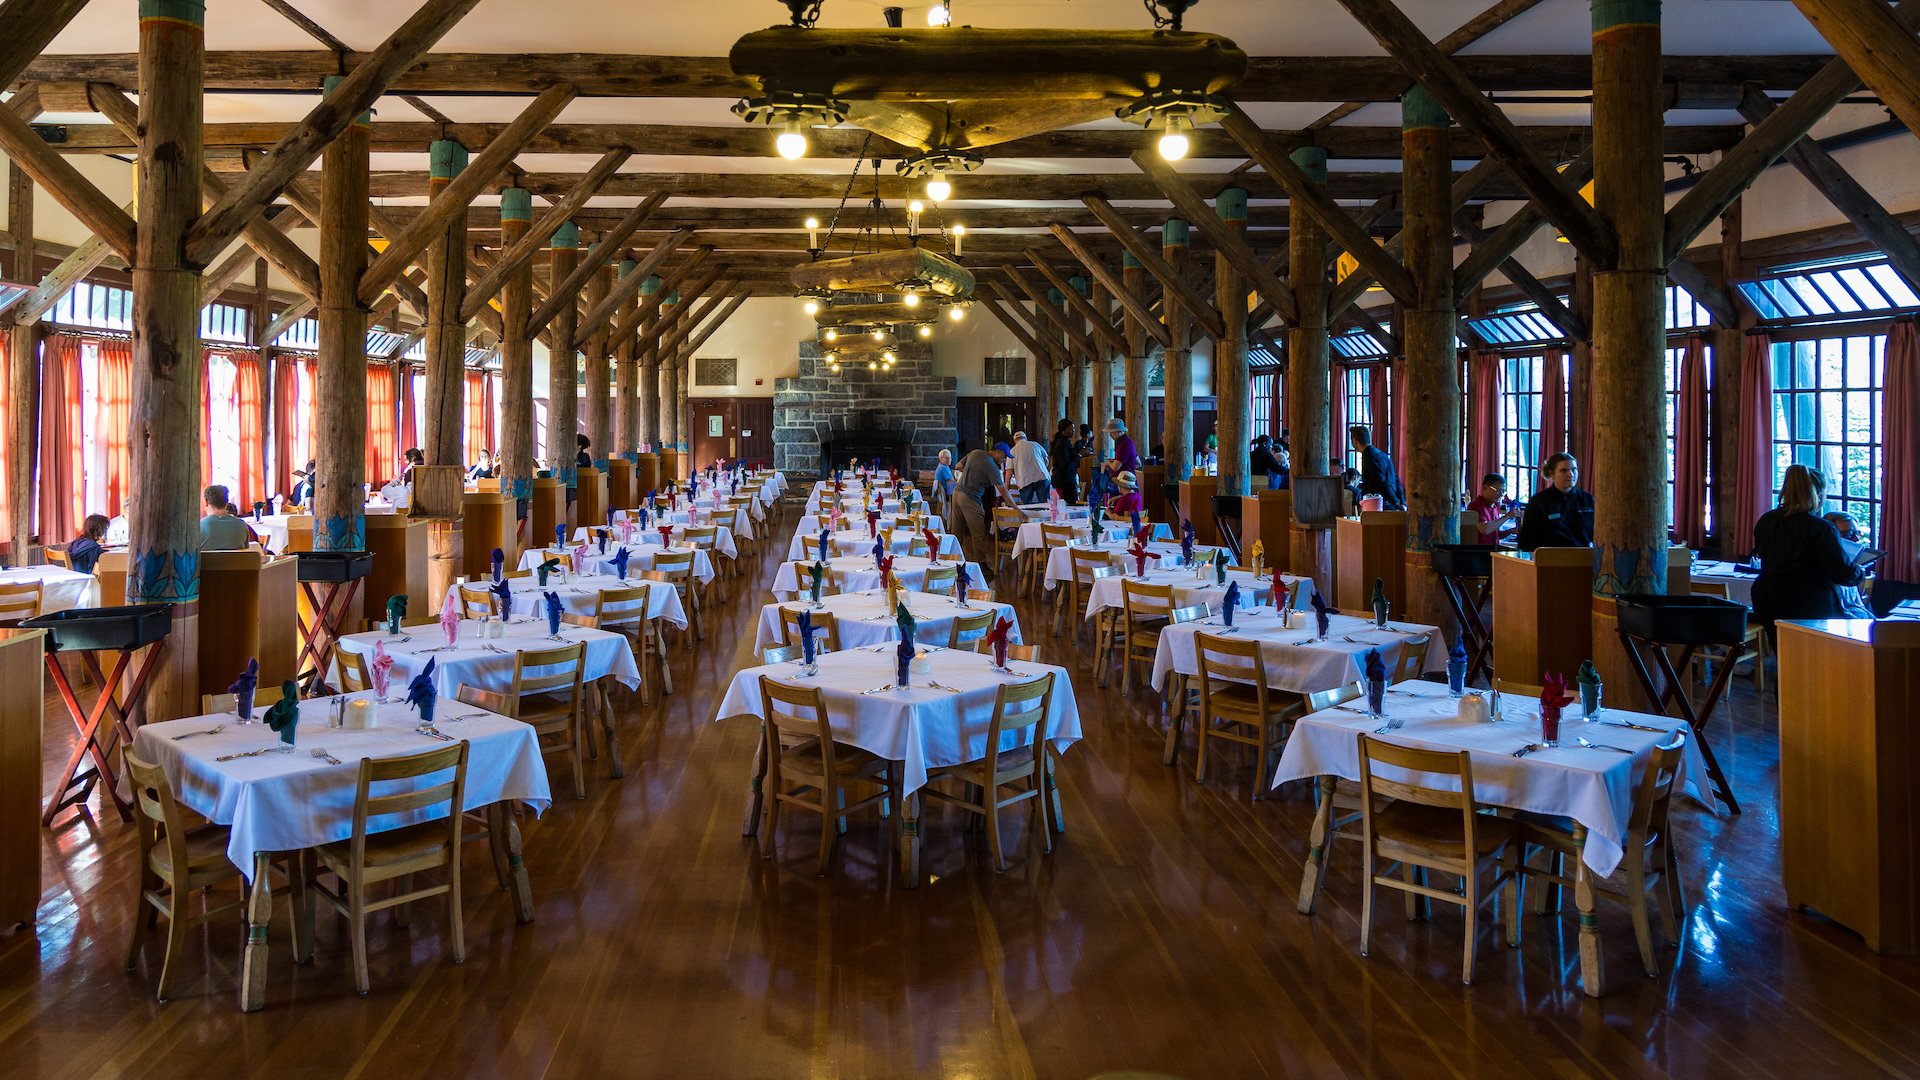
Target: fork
(1529, 748)
(430, 730)
(1603, 746)
(210, 731)
(320, 753)
(256, 753)
(876, 690)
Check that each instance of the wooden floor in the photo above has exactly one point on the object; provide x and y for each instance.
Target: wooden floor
(1160, 936)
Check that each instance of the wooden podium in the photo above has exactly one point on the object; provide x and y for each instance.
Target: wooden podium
(487, 522)
(1539, 599)
(1196, 505)
(646, 475)
(399, 547)
(620, 490)
(1849, 812)
(1267, 516)
(590, 499)
(549, 509)
(671, 463)
(22, 783)
(1370, 546)
(248, 602)
(1150, 478)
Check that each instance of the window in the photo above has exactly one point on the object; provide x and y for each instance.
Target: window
(1359, 408)
(102, 307)
(1676, 354)
(1830, 290)
(223, 423)
(1826, 415)
(1006, 371)
(303, 335)
(1682, 312)
(711, 372)
(1357, 345)
(1520, 324)
(1520, 416)
(1262, 389)
(225, 323)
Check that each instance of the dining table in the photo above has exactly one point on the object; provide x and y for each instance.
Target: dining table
(277, 798)
(1738, 578)
(1588, 778)
(61, 589)
(1030, 538)
(1298, 660)
(940, 718)
(858, 541)
(722, 535)
(640, 556)
(855, 503)
(1190, 587)
(856, 573)
(580, 594)
(1059, 568)
(487, 663)
(811, 524)
(862, 618)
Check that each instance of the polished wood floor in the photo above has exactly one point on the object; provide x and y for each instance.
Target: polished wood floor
(1160, 936)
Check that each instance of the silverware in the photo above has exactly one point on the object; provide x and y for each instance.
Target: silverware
(1633, 726)
(430, 730)
(1529, 748)
(1603, 746)
(321, 754)
(876, 690)
(210, 731)
(256, 753)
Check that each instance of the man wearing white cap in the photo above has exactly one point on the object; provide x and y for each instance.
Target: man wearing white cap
(1030, 470)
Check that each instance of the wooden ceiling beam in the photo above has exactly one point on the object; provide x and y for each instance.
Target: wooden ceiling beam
(285, 320)
(740, 294)
(1171, 280)
(1076, 335)
(1493, 18)
(83, 200)
(1878, 45)
(1350, 288)
(1102, 329)
(542, 231)
(1012, 313)
(1206, 219)
(1132, 303)
(622, 291)
(1568, 321)
(27, 27)
(1508, 238)
(222, 277)
(635, 319)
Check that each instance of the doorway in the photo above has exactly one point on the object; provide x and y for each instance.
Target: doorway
(1006, 417)
(716, 431)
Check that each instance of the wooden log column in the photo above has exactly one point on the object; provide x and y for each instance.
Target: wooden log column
(563, 403)
(445, 387)
(1231, 377)
(1580, 370)
(1134, 276)
(1178, 362)
(664, 400)
(647, 377)
(1308, 369)
(1629, 342)
(626, 413)
(599, 373)
(1101, 407)
(1432, 408)
(682, 376)
(339, 493)
(1728, 344)
(169, 373)
(23, 375)
(515, 461)
(1079, 376)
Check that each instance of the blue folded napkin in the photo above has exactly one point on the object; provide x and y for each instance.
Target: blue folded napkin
(553, 613)
(903, 656)
(804, 626)
(503, 597)
(1231, 602)
(243, 688)
(421, 693)
(620, 562)
(1376, 669)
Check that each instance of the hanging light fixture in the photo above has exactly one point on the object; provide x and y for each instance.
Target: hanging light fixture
(935, 164)
(794, 114)
(959, 233)
(940, 14)
(912, 297)
(1174, 114)
(926, 331)
(832, 334)
(956, 312)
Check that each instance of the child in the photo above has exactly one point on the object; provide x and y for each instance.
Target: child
(84, 551)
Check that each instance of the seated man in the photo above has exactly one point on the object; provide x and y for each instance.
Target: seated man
(220, 529)
(1489, 516)
(1128, 502)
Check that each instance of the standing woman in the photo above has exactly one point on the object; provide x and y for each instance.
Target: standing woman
(1560, 514)
(1803, 568)
(1065, 454)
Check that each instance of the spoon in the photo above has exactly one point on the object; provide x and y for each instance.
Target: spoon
(1603, 746)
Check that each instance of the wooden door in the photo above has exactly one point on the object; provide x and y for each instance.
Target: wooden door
(1006, 417)
(716, 431)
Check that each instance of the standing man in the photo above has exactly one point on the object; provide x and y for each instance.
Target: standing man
(1376, 470)
(1030, 472)
(979, 476)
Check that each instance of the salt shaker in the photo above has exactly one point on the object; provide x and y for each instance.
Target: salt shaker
(337, 713)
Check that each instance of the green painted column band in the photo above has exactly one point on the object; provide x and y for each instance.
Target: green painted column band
(650, 286)
(1079, 284)
(516, 204)
(191, 12)
(1231, 204)
(673, 297)
(448, 159)
(626, 267)
(566, 236)
(1613, 14)
(1128, 262)
(1173, 233)
(333, 82)
(1419, 110)
(1056, 297)
(1312, 160)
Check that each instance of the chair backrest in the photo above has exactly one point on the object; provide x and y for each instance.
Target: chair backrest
(674, 566)
(397, 795)
(702, 536)
(1654, 794)
(157, 814)
(1410, 760)
(916, 544)
(1020, 707)
(58, 556)
(1030, 653)
(810, 547)
(1230, 660)
(622, 607)
(780, 654)
(823, 627)
(796, 712)
(941, 579)
(1145, 600)
(511, 575)
(1087, 564)
(972, 627)
(1053, 536)
(1528, 691)
(558, 670)
(20, 599)
(1339, 695)
(803, 578)
(1413, 657)
(354, 675)
(1007, 517)
(1190, 613)
(475, 601)
(1711, 588)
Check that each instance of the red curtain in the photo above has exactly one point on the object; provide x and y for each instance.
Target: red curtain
(1553, 404)
(285, 399)
(61, 424)
(1385, 435)
(5, 405)
(488, 409)
(1690, 447)
(1337, 420)
(309, 447)
(479, 405)
(113, 420)
(1753, 458)
(246, 392)
(409, 427)
(1483, 417)
(1900, 456)
(206, 419)
(380, 430)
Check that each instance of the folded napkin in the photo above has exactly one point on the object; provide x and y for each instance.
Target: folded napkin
(933, 545)
(1133, 521)
(873, 523)
(396, 611)
(1220, 567)
(450, 617)
(1322, 614)
(601, 536)
(1553, 698)
(1457, 666)
(1376, 669)
(1281, 597)
(243, 687)
(643, 512)
(499, 563)
(804, 627)
(553, 613)
(284, 716)
(379, 669)
(580, 558)
(886, 571)
(1231, 602)
(904, 620)
(998, 639)
(1257, 554)
(879, 551)
(547, 566)
(503, 598)
(1053, 504)
(620, 562)
(666, 537)
(1139, 553)
(421, 693)
(1186, 542)
(961, 581)
(1588, 679)
(609, 517)
(818, 572)
(560, 535)
(1379, 601)
(902, 661)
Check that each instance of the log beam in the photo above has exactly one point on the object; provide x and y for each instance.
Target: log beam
(1229, 242)
(1102, 329)
(520, 252)
(1182, 292)
(1878, 45)
(1133, 303)
(563, 401)
(1178, 359)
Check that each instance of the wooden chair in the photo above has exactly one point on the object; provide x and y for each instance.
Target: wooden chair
(211, 704)
(1145, 608)
(1183, 694)
(941, 579)
(1035, 572)
(823, 624)
(779, 654)
(476, 601)
(971, 627)
(1413, 658)
(1020, 707)
(176, 862)
(1753, 647)
(1005, 518)
(624, 612)
(20, 600)
(547, 695)
(1237, 705)
(707, 539)
(354, 675)
(1650, 860)
(366, 859)
(676, 568)
(1026, 653)
(1086, 566)
(1425, 828)
(58, 556)
(803, 580)
(810, 548)
(815, 777)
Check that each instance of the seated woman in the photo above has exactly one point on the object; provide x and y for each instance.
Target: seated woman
(1803, 566)
(483, 468)
(84, 551)
(1123, 506)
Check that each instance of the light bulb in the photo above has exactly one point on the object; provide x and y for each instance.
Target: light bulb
(911, 299)
(792, 142)
(887, 356)
(959, 235)
(832, 334)
(916, 207)
(812, 306)
(834, 367)
(938, 189)
(956, 313)
(878, 333)
(926, 331)
(872, 366)
(938, 15)
(1173, 139)
(813, 234)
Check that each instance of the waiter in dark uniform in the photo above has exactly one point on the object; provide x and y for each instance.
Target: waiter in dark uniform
(1560, 514)
(1376, 470)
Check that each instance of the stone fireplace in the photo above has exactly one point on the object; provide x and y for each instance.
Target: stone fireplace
(905, 416)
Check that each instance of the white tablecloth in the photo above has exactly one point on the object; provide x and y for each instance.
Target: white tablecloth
(1029, 538)
(1593, 787)
(860, 542)
(921, 727)
(580, 595)
(286, 802)
(854, 503)
(856, 573)
(722, 538)
(639, 557)
(1739, 586)
(1294, 661)
(60, 589)
(811, 524)
(861, 619)
(1041, 511)
(1189, 588)
(1060, 559)
(272, 528)
(487, 663)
